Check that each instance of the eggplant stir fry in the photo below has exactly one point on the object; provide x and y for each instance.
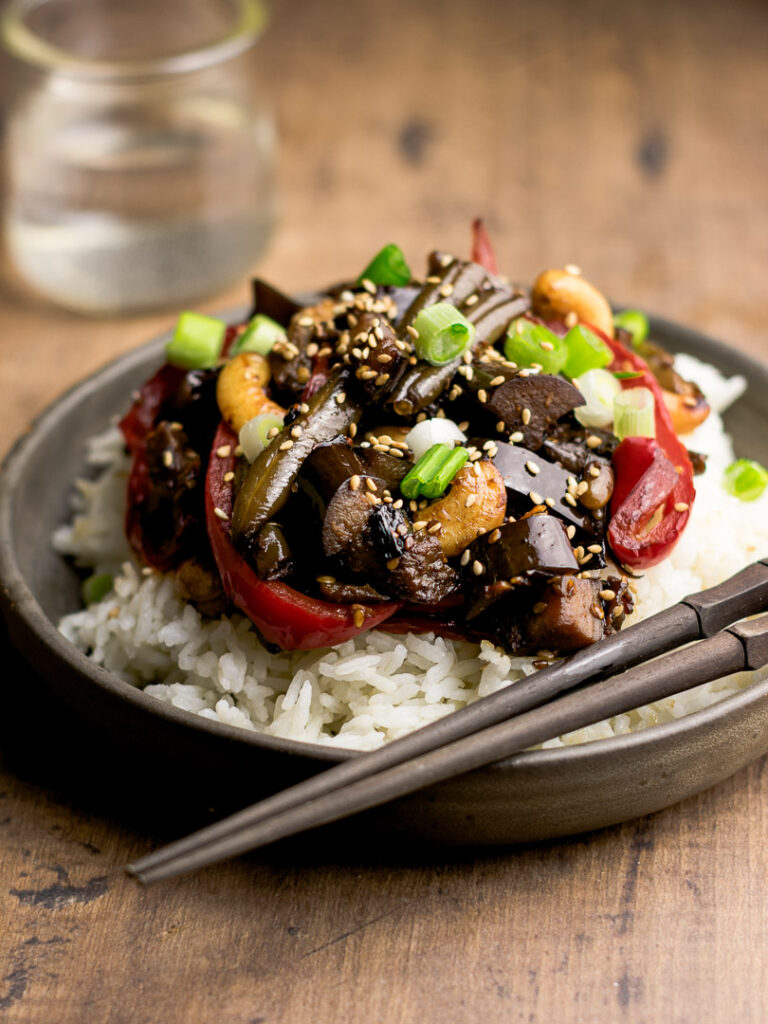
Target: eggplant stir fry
(450, 454)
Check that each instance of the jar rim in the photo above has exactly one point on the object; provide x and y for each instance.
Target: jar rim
(21, 41)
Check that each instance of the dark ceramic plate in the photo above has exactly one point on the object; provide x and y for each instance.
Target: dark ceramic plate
(534, 795)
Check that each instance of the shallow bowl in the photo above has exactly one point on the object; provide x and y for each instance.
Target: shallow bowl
(534, 795)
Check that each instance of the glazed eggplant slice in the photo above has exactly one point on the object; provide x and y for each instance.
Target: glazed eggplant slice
(377, 355)
(421, 575)
(532, 404)
(567, 616)
(531, 480)
(346, 533)
(271, 554)
(268, 482)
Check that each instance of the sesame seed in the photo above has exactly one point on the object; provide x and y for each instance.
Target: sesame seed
(433, 279)
(516, 437)
(465, 556)
(220, 513)
(272, 432)
(550, 502)
(398, 503)
(494, 536)
(578, 552)
(597, 611)
(482, 395)
(326, 579)
(354, 482)
(471, 300)
(384, 358)
(593, 471)
(393, 563)
(435, 528)
(238, 450)
(525, 416)
(168, 458)
(368, 374)
(608, 595)
(381, 380)
(581, 488)
(372, 499)
(412, 331)
(471, 499)
(571, 531)
(304, 408)
(370, 484)
(446, 289)
(224, 451)
(312, 349)
(341, 398)
(306, 321)
(368, 285)
(475, 456)
(464, 425)
(571, 319)
(302, 374)
(593, 441)
(570, 499)
(547, 346)
(501, 426)
(229, 477)
(419, 525)
(535, 497)
(467, 357)
(532, 468)
(286, 445)
(297, 431)
(358, 617)
(681, 506)
(587, 558)
(617, 612)
(497, 380)
(478, 568)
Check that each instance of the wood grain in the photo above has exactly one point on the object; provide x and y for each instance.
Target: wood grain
(630, 139)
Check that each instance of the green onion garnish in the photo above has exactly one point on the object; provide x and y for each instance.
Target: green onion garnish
(599, 389)
(96, 587)
(434, 471)
(259, 336)
(443, 334)
(745, 479)
(585, 352)
(196, 342)
(634, 414)
(529, 344)
(254, 435)
(387, 267)
(628, 375)
(440, 481)
(635, 322)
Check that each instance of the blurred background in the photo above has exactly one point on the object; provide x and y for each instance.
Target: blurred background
(631, 139)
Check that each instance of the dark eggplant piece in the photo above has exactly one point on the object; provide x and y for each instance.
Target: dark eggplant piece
(547, 481)
(494, 312)
(448, 280)
(271, 553)
(532, 404)
(346, 532)
(567, 444)
(538, 544)
(422, 575)
(172, 515)
(567, 616)
(330, 464)
(618, 602)
(200, 584)
(267, 484)
(194, 405)
(377, 355)
(272, 303)
(420, 386)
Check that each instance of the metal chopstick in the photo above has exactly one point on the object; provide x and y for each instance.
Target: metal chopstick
(697, 616)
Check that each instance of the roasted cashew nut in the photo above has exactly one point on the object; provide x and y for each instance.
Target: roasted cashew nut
(686, 411)
(475, 504)
(240, 390)
(565, 295)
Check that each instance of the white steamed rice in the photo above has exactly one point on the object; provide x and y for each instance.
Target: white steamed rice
(377, 687)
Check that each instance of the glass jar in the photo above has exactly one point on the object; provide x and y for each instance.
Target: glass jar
(139, 158)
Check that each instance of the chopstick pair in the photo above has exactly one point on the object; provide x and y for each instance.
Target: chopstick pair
(519, 716)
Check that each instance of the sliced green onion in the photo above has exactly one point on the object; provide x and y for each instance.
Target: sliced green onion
(434, 471)
(388, 266)
(259, 336)
(635, 322)
(254, 435)
(96, 587)
(443, 334)
(599, 388)
(745, 479)
(442, 479)
(585, 352)
(529, 344)
(196, 342)
(628, 375)
(634, 414)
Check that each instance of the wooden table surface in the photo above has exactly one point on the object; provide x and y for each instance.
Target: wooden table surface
(631, 139)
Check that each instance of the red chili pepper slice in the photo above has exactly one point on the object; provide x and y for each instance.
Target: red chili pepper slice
(282, 615)
(482, 247)
(639, 463)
